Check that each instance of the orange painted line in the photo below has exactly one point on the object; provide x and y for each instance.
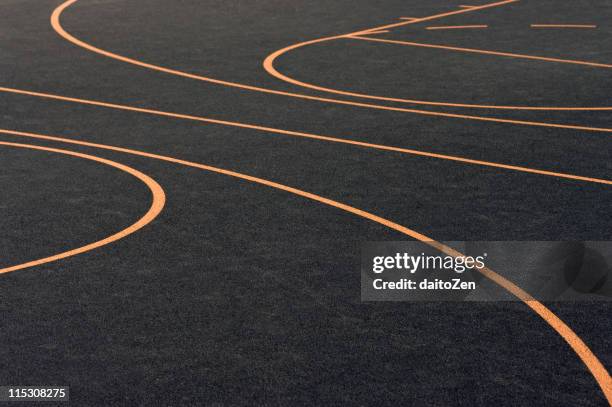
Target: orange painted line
(311, 136)
(466, 6)
(432, 17)
(268, 65)
(590, 360)
(455, 27)
(378, 32)
(563, 26)
(238, 124)
(158, 201)
(483, 51)
(56, 24)
(408, 18)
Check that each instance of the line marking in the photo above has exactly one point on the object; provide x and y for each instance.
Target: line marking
(309, 136)
(585, 354)
(408, 18)
(56, 24)
(238, 124)
(157, 204)
(378, 32)
(429, 18)
(268, 65)
(455, 27)
(482, 51)
(563, 26)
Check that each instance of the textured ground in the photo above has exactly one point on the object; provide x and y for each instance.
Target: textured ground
(241, 294)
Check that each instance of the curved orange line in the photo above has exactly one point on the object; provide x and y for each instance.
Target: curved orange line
(159, 199)
(268, 65)
(56, 24)
(313, 136)
(591, 361)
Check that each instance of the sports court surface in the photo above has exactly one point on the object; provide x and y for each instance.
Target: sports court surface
(186, 186)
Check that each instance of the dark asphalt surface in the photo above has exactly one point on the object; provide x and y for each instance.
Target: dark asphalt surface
(239, 294)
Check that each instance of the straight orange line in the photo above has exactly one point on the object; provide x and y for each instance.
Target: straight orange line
(482, 51)
(408, 18)
(157, 204)
(585, 354)
(563, 26)
(309, 136)
(428, 18)
(397, 109)
(378, 32)
(455, 27)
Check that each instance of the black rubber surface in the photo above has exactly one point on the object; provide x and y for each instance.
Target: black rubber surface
(239, 294)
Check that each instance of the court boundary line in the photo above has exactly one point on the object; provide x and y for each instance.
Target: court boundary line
(456, 27)
(562, 26)
(311, 136)
(480, 51)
